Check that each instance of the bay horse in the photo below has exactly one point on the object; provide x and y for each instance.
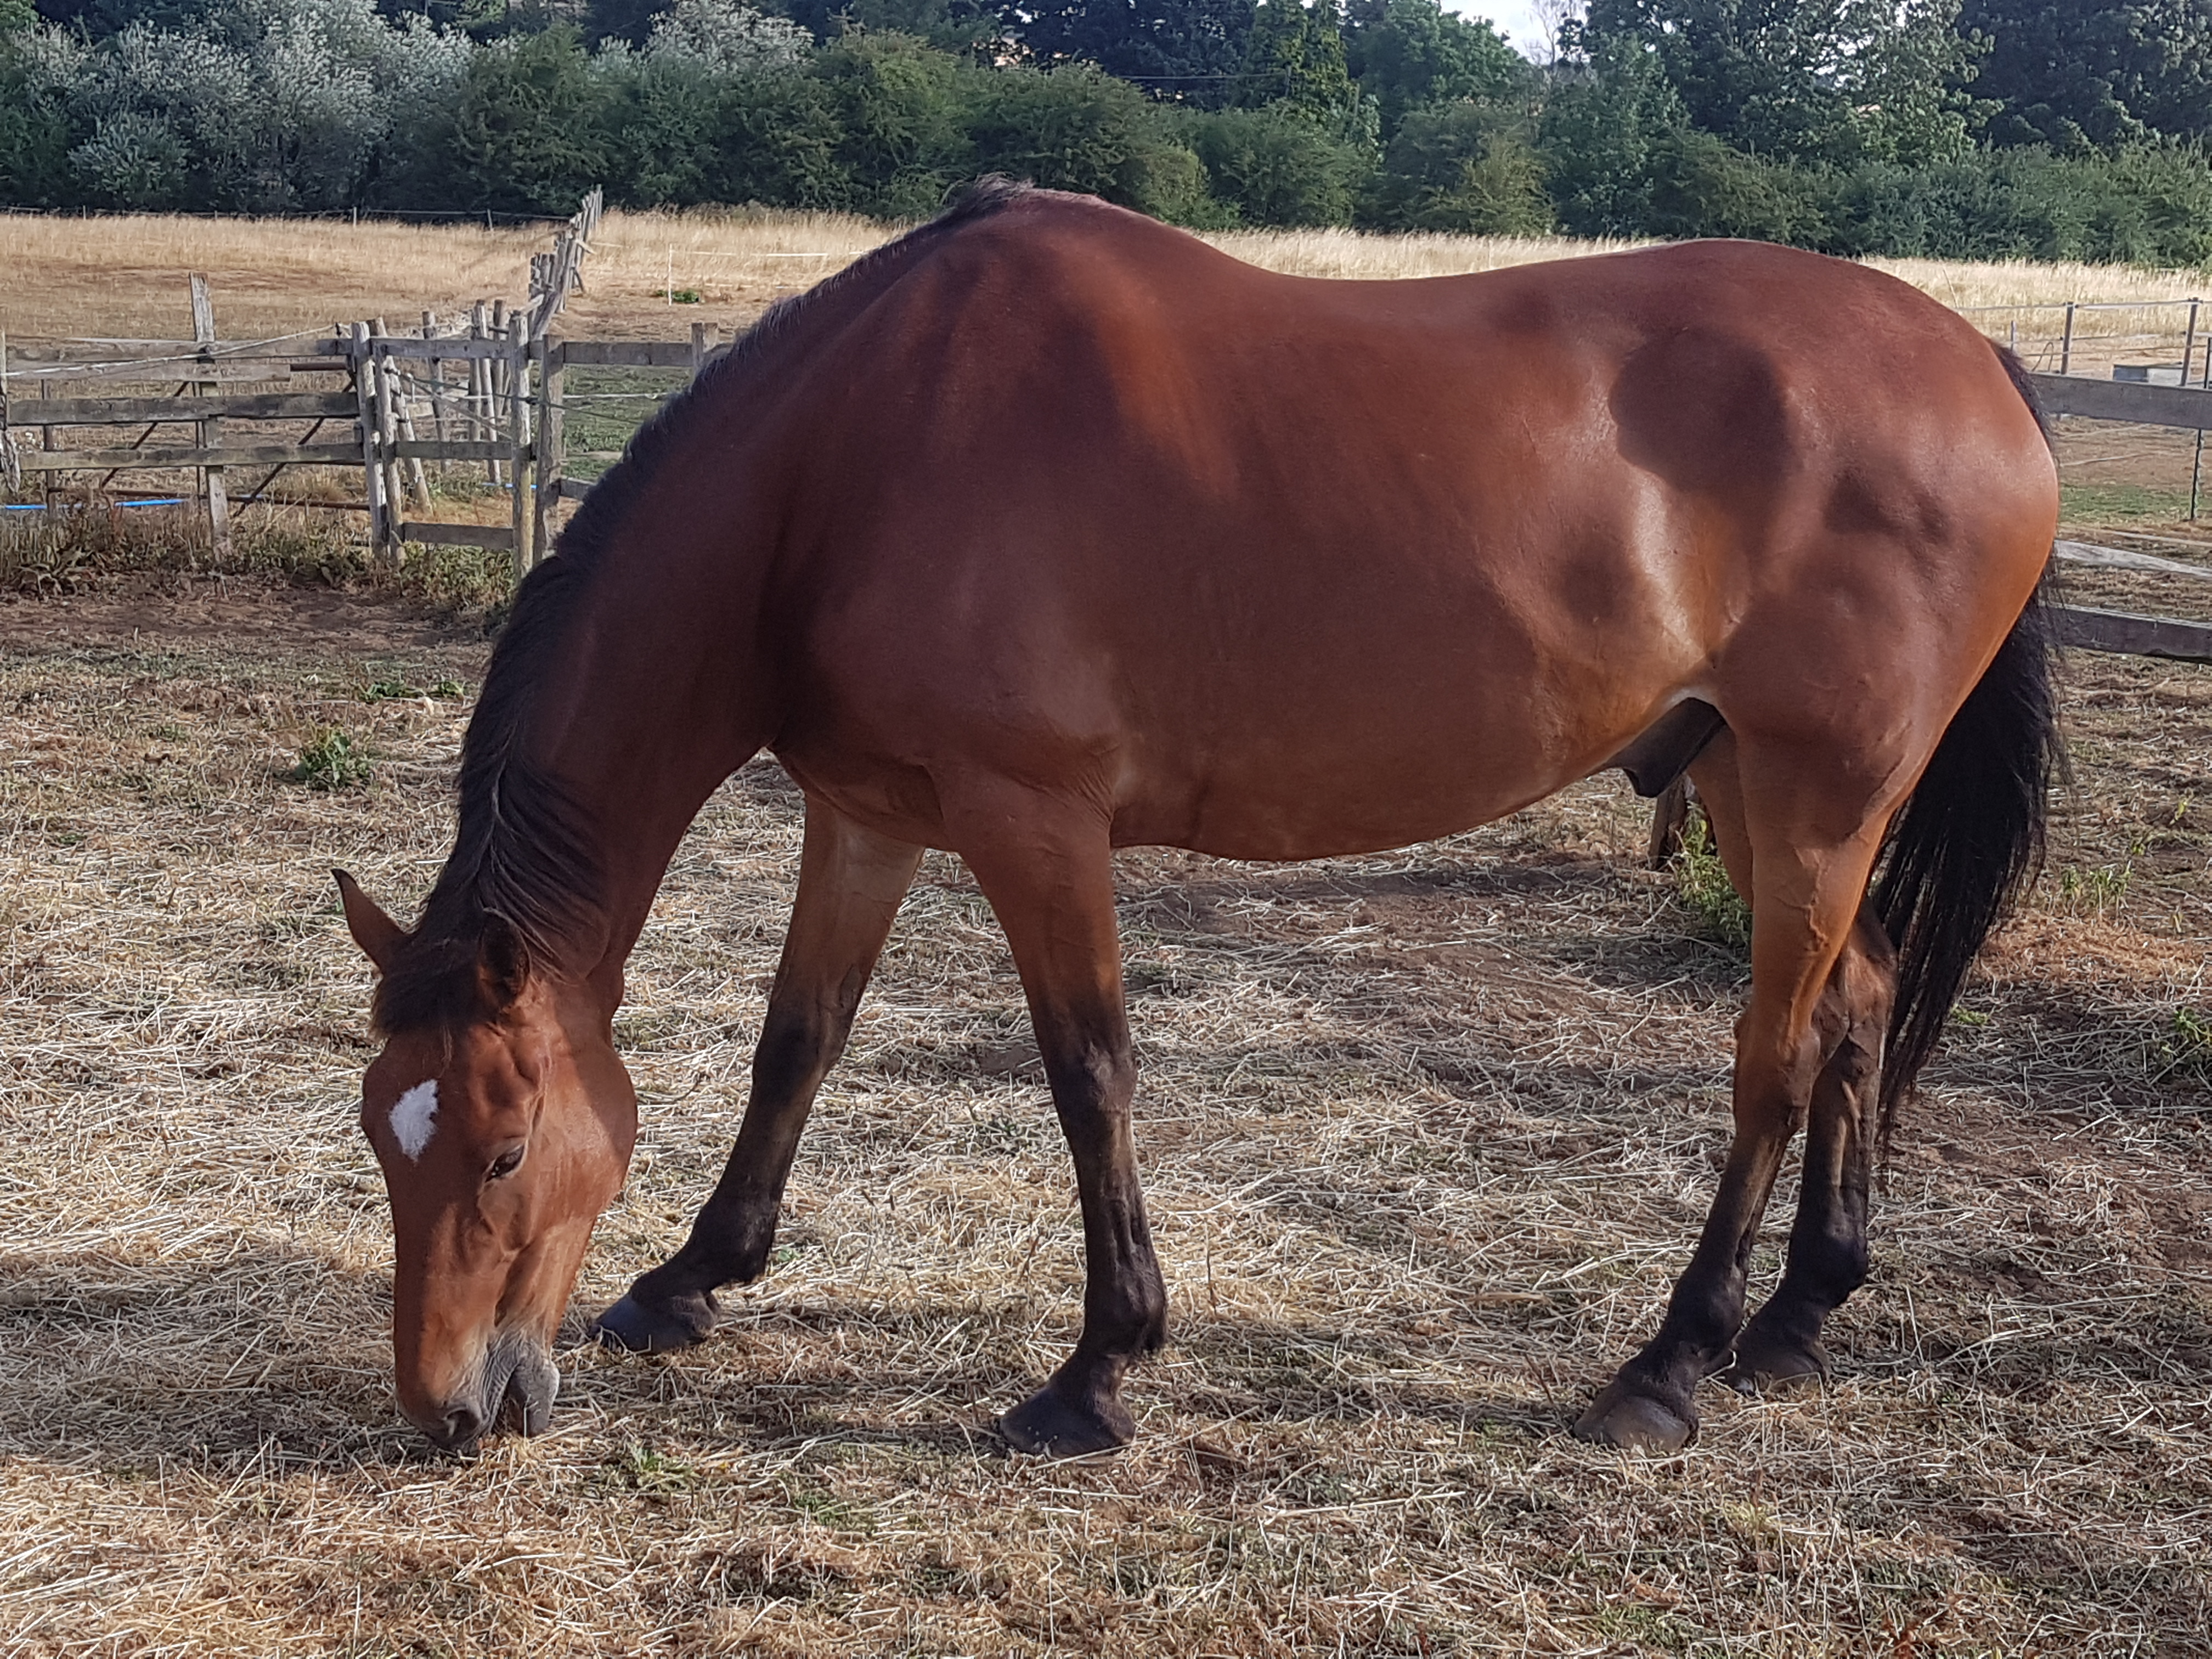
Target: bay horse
(1046, 529)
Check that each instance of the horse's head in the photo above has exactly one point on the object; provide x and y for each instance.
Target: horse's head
(504, 1121)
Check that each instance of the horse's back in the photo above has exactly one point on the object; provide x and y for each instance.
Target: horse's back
(1280, 566)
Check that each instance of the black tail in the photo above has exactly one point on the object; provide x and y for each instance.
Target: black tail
(1970, 838)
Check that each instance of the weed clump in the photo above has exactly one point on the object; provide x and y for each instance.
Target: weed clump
(332, 760)
(1702, 885)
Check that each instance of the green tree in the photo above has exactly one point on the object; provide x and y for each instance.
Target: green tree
(1294, 56)
(36, 67)
(1464, 167)
(1839, 81)
(1610, 114)
(2071, 73)
(1075, 128)
(1187, 50)
(526, 133)
(1405, 53)
(1274, 166)
(902, 109)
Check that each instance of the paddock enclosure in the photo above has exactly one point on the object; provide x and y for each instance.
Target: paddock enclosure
(1425, 1135)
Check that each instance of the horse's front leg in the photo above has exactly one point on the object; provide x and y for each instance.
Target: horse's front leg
(1047, 866)
(851, 881)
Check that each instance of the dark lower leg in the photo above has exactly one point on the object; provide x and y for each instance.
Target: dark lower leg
(849, 888)
(1802, 898)
(1649, 1405)
(1828, 1258)
(1124, 1300)
(1047, 866)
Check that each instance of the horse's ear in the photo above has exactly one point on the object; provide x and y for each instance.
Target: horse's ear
(377, 935)
(502, 962)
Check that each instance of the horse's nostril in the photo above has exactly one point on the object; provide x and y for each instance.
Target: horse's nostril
(460, 1425)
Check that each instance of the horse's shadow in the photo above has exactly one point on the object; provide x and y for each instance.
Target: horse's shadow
(276, 1358)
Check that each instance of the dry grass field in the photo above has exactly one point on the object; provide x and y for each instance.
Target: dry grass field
(124, 276)
(1426, 1137)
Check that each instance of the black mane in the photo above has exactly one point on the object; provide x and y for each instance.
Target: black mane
(526, 853)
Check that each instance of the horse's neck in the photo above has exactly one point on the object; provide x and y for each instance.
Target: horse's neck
(657, 694)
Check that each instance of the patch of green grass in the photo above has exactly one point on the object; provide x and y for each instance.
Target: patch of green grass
(332, 759)
(1701, 883)
(641, 1468)
(396, 689)
(683, 296)
(2093, 892)
(2104, 503)
(2183, 1050)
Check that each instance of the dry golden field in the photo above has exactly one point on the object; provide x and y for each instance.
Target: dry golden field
(124, 276)
(1426, 1136)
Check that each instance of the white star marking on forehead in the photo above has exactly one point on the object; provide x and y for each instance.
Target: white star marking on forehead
(414, 1117)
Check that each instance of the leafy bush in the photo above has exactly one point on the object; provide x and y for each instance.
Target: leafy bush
(1464, 167)
(1276, 166)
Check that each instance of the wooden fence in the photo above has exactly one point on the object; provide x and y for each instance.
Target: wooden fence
(489, 390)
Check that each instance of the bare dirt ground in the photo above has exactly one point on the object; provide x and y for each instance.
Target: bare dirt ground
(1426, 1136)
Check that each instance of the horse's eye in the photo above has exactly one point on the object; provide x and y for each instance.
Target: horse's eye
(504, 1164)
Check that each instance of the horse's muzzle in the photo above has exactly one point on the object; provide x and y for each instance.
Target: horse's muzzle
(515, 1390)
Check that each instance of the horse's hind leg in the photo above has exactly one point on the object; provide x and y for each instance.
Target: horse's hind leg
(1775, 812)
(851, 881)
(1047, 866)
(1827, 1257)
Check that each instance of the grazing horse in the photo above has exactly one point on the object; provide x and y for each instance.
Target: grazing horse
(1046, 530)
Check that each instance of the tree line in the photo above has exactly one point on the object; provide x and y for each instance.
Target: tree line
(1952, 128)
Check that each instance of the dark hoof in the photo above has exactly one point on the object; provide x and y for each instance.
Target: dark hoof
(1634, 1422)
(682, 1321)
(1052, 1426)
(1771, 1364)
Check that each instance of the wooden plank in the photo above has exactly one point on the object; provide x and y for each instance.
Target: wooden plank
(137, 460)
(451, 449)
(247, 406)
(173, 370)
(2189, 408)
(401, 346)
(2132, 635)
(498, 536)
(2121, 558)
(626, 354)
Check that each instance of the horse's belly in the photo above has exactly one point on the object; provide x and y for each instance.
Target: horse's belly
(1326, 804)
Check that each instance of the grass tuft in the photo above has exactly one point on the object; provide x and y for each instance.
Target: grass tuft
(1702, 884)
(332, 759)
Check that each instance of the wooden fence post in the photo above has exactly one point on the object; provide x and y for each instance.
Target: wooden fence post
(387, 387)
(437, 372)
(519, 468)
(395, 390)
(552, 379)
(211, 431)
(371, 463)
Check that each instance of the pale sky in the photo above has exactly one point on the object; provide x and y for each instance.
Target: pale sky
(1513, 18)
